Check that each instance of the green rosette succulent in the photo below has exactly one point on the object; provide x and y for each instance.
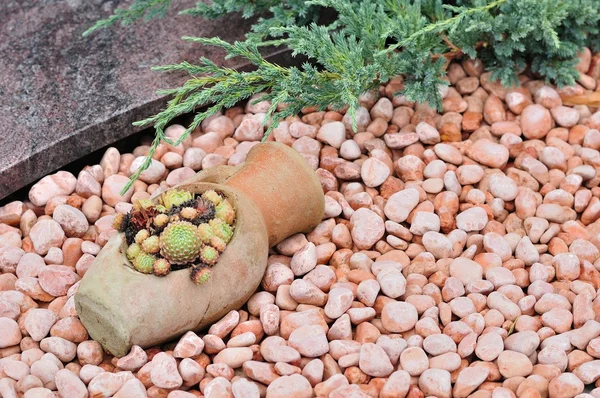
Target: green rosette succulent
(143, 204)
(222, 230)
(144, 263)
(133, 250)
(225, 212)
(174, 198)
(209, 255)
(161, 220)
(205, 232)
(212, 196)
(180, 243)
(151, 244)
(200, 275)
(161, 267)
(141, 236)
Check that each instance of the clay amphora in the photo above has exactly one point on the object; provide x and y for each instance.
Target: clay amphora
(275, 194)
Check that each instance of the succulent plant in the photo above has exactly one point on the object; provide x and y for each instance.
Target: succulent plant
(205, 209)
(142, 204)
(225, 212)
(161, 267)
(179, 242)
(161, 220)
(209, 255)
(118, 221)
(189, 213)
(151, 244)
(218, 244)
(222, 230)
(205, 233)
(144, 263)
(132, 251)
(200, 275)
(212, 196)
(141, 236)
(174, 198)
(160, 208)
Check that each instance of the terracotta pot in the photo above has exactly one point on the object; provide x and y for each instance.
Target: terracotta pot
(275, 193)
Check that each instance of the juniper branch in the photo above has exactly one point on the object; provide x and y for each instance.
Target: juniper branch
(146, 9)
(370, 42)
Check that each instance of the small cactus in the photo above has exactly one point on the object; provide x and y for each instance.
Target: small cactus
(118, 221)
(189, 213)
(218, 244)
(174, 198)
(205, 233)
(222, 230)
(209, 255)
(161, 220)
(200, 275)
(142, 204)
(160, 208)
(141, 236)
(179, 242)
(161, 267)
(212, 196)
(144, 263)
(133, 250)
(151, 244)
(225, 212)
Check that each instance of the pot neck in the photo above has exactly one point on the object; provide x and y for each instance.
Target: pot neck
(284, 188)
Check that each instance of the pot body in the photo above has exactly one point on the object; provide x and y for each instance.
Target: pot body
(121, 307)
(275, 193)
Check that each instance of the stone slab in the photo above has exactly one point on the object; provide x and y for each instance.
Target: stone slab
(62, 96)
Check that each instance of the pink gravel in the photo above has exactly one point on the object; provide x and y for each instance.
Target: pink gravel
(459, 256)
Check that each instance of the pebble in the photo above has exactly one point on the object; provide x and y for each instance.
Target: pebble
(436, 382)
(61, 183)
(513, 364)
(164, 372)
(136, 358)
(105, 384)
(69, 385)
(190, 345)
(472, 219)
(153, 174)
(304, 260)
(233, 357)
(468, 380)
(339, 301)
(488, 153)
(374, 361)
(309, 340)
(536, 122)
(400, 204)
(374, 172)
(46, 234)
(565, 385)
(290, 386)
(38, 323)
(10, 334)
(72, 221)
(367, 228)
(57, 279)
(398, 317)
(333, 134)
(111, 190)
(132, 388)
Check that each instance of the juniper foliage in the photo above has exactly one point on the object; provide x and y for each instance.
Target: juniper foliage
(368, 43)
